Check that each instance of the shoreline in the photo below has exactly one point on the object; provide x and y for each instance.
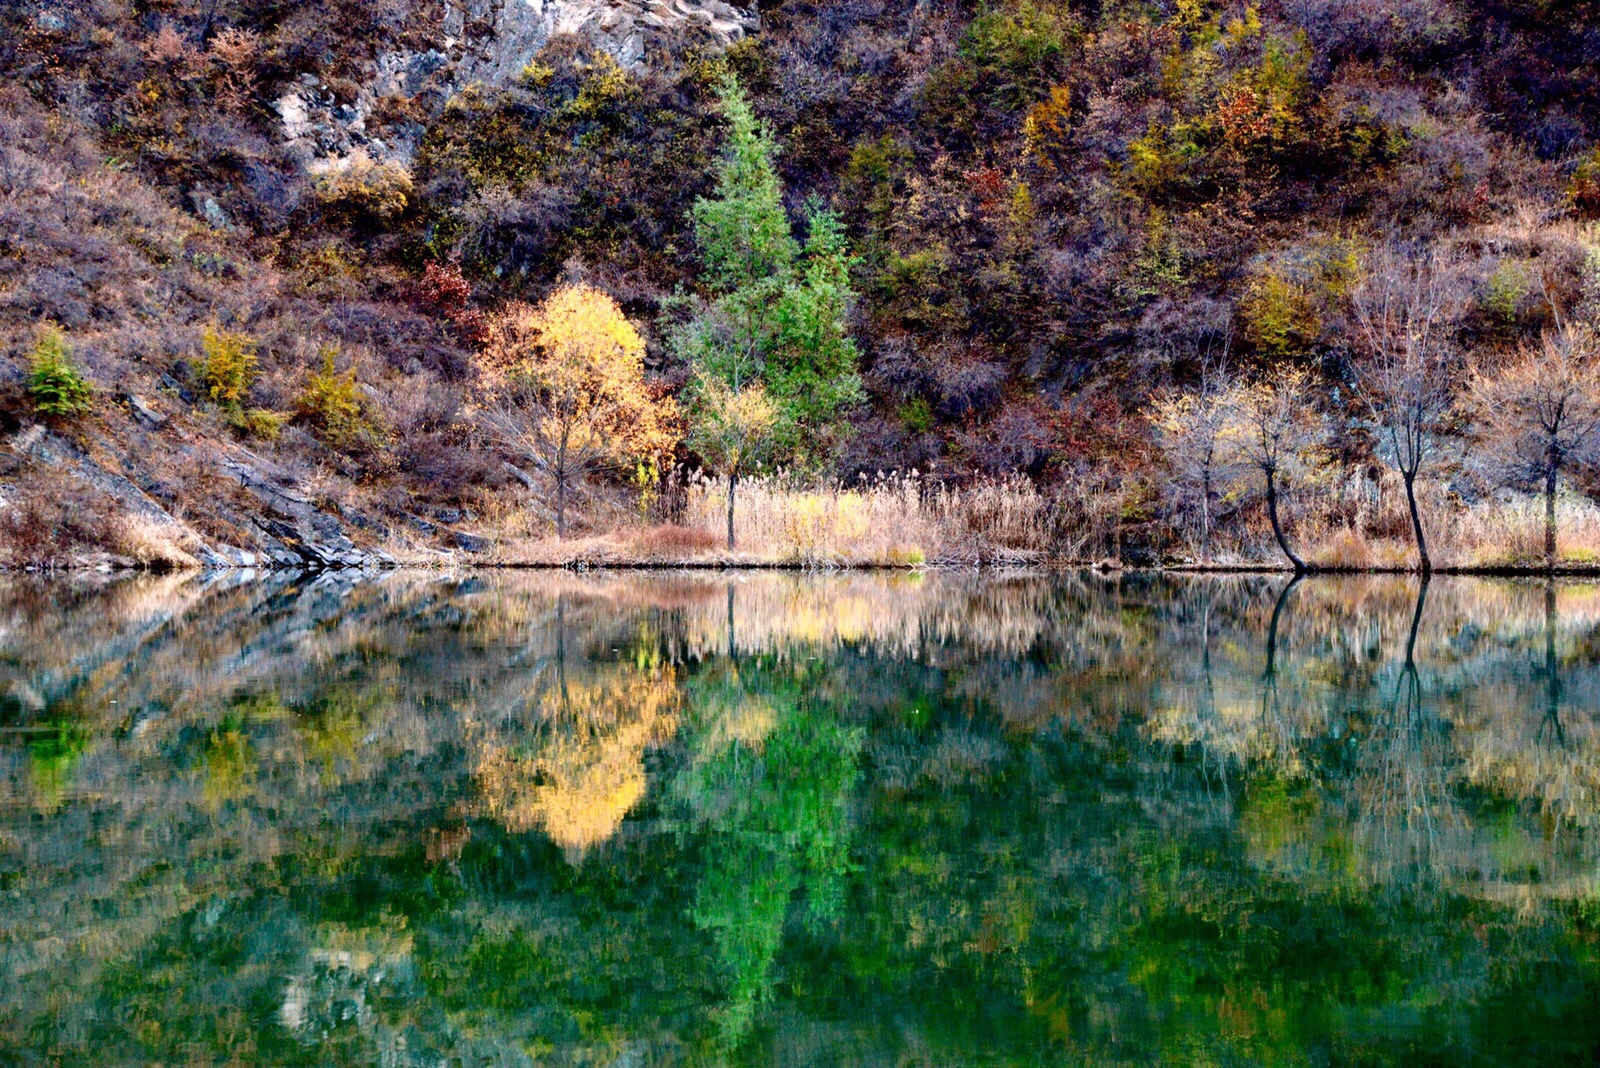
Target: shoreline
(1029, 567)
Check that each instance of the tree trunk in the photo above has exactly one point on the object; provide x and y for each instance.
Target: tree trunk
(1552, 678)
(561, 506)
(1416, 623)
(1423, 560)
(1550, 517)
(1272, 628)
(561, 647)
(1205, 518)
(733, 481)
(1277, 525)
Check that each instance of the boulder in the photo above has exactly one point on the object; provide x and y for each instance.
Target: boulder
(472, 543)
(144, 414)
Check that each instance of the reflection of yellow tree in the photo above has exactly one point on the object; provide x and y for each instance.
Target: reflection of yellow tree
(584, 770)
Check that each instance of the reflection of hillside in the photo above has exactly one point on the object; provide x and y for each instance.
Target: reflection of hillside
(926, 776)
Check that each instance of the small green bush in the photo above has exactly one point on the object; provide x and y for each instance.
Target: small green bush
(917, 415)
(56, 387)
(1505, 296)
(335, 406)
(229, 367)
(1018, 52)
(906, 556)
(256, 422)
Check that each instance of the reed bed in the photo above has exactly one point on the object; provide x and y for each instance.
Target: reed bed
(886, 521)
(1350, 521)
(1344, 522)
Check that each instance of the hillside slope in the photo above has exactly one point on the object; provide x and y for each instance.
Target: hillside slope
(1058, 210)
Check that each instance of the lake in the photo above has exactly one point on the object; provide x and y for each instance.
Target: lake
(772, 819)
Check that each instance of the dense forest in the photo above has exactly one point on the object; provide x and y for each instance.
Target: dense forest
(1188, 281)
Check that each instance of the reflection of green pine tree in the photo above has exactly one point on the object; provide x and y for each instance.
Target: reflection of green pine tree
(777, 821)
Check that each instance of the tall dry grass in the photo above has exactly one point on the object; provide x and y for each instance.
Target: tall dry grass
(1343, 519)
(154, 545)
(887, 521)
(890, 520)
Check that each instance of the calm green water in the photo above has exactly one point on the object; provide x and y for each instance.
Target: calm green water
(940, 820)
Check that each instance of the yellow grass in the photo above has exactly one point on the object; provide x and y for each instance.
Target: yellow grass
(890, 521)
(885, 522)
(155, 545)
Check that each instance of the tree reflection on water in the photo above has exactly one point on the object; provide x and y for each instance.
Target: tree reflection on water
(876, 819)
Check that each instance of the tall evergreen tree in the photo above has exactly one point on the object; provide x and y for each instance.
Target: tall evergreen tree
(775, 316)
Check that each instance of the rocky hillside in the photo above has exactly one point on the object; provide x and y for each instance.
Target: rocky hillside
(1057, 209)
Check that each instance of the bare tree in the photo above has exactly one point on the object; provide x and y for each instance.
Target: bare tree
(1192, 430)
(1404, 309)
(1538, 414)
(1275, 426)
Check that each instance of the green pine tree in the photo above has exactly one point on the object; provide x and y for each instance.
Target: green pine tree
(776, 316)
(56, 386)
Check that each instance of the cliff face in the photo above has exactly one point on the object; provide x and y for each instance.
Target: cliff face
(489, 44)
(499, 38)
(212, 165)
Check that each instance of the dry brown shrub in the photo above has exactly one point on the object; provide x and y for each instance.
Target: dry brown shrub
(668, 541)
(48, 516)
(152, 544)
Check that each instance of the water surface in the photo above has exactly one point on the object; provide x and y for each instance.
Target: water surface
(780, 820)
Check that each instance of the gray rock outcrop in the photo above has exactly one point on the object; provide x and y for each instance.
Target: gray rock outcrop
(294, 530)
(624, 28)
(488, 42)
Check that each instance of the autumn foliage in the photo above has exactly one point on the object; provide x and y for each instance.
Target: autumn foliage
(567, 390)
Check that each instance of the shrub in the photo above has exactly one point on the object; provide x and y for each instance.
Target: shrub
(256, 422)
(1584, 188)
(1018, 52)
(1279, 319)
(917, 415)
(1049, 125)
(444, 287)
(229, 367)
(336, 407)
(56, 387)
(1505, 295)
(48, 516)
(1166, 162)
(363, 189)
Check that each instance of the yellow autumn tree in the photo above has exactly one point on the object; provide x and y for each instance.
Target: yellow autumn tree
(568, 392)
(733, 429)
